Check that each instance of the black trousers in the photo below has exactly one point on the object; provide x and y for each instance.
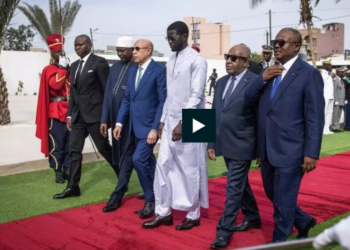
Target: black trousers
(239, 195)
(125, 170)
(80, 130)
(212, 86)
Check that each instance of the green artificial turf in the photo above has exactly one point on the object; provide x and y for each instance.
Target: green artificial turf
(30, 194)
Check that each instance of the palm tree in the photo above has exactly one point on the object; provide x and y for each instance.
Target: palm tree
(306, 16)
(40, 22)
(7, 9)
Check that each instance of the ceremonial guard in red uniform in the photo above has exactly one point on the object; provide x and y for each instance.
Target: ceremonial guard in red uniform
(51, 115)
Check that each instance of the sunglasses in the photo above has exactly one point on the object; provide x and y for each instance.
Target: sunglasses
(280, 42)
(138, 49)
(234, 57)
(171, 38)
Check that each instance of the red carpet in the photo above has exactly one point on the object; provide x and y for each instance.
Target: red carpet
(324, 193)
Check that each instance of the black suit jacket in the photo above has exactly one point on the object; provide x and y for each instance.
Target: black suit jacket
(236, 124)
(256, 68)
(86, 97)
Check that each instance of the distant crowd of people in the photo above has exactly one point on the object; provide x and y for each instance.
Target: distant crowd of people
(276, 116)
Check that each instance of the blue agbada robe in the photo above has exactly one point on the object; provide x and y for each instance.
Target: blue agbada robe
(114, 94)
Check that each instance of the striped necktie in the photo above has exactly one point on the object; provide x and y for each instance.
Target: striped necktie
(229, 91)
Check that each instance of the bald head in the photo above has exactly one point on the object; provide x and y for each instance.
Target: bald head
(237, 59)
(143, 50)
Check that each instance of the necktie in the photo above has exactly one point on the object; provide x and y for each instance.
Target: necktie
(267, 64)
(138, 77)
(275, 86)
(229, 91)
(79, 71)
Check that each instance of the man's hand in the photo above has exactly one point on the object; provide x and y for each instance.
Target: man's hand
(69, 124)
(257, 163)
(116, 132)
(63, 62)
(309, 164)
(336, 103)
(211, 154)
(272, 72)
(152, 137)
(177, 133)
(160, 129)
(346, 102)
(103, 129)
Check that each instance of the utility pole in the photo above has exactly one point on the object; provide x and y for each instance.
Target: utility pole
(270, 17)
(92, 39)
(267, 37)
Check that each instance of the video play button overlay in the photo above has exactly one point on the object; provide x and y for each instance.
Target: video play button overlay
(196, 125)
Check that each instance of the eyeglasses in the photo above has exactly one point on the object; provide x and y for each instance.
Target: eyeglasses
(138, 49)
(234, 57)
(280, 42)
(171, 38)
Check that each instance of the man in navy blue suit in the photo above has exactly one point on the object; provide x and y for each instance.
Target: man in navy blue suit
(143, 104)
(290, 127)
(236, 141)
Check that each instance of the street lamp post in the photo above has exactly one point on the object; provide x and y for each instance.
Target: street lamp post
(92, 38)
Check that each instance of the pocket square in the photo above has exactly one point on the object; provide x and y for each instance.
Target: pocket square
(90, 71)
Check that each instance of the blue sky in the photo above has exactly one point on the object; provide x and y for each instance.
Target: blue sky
(149, 19)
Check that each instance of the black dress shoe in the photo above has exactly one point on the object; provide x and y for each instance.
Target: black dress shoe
(159, 220)
(65, 171)
(188, 224)
(148, 210)
(141, 197)
(224, 173)
(112, 205)
(68, 192)
(59, 176)
(247, 225)
(221, 242)
(303, 234)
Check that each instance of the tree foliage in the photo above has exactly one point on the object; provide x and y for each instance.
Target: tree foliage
(256, 57)
(19, 39)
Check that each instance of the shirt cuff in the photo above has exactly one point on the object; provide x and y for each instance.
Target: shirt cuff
(69, 117)
(119, 124)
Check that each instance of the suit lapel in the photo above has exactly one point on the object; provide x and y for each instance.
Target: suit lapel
(86, 68)
(74, 71)
(144, 77)
(288, 79)
(133, 74)
(241, 85)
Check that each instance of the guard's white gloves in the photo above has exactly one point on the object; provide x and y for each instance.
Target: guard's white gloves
(339, 233)
(63, 62)
(336, 103)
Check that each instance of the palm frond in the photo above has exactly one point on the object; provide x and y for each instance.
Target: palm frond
(318, 1)
(69, 13)
(7, 10)
(255, 3)
(37, 18)
(55, 17)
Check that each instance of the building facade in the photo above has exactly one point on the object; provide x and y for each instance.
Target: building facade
(327, 41)
(213, 39)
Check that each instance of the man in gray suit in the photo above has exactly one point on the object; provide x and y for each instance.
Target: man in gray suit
(236, 141)
(339, 98)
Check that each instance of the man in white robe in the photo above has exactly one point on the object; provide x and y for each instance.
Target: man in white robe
(181, 178)
(328, 93)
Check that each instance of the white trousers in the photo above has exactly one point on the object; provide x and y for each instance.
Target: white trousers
(164, 210)
(328, 115)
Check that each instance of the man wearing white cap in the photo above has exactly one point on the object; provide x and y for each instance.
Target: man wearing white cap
(114, 94)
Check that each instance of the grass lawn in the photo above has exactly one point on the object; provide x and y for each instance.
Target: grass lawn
(30, 194)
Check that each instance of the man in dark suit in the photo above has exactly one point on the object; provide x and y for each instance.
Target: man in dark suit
(88, 77)
(143, 105)
(290, 127)
(236, 141)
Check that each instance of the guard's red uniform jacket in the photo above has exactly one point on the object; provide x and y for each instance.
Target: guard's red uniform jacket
(54, 85)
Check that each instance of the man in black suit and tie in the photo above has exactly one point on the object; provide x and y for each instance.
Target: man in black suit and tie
(236, 142)
(89, 77)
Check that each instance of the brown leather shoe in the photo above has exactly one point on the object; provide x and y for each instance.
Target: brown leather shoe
(188, 224)
(159, 220)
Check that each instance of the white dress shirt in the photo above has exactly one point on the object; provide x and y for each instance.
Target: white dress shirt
(238, 78)
(82, 67)
(144, 68)
(288, 65)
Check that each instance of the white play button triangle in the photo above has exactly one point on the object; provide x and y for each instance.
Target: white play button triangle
(196, 125)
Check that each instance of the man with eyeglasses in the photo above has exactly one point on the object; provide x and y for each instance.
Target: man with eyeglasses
(142, 106)
(267, 56)
(114, 94)
(290, 127)
(236, 142)
(181, 179)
